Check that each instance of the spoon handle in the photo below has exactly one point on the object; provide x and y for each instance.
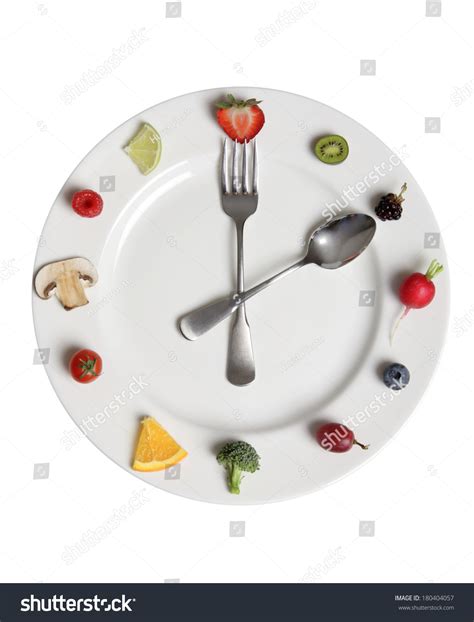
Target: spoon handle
(201, 320)
(273, 279)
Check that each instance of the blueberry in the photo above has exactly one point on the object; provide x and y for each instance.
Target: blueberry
(396, 376)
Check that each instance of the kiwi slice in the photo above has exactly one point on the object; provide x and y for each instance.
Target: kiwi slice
(332, 149)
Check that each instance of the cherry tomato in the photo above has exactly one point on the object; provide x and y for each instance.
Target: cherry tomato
(85, 366)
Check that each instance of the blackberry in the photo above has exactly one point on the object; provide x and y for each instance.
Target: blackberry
(390, 205)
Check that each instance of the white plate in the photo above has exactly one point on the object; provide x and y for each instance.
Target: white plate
(163, 246)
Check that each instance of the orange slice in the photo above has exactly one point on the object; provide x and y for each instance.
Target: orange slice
(156, 449)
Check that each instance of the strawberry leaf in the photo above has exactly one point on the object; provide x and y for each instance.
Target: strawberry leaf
(232, 102)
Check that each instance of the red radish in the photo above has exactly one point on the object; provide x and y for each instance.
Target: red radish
(240, 119)
(417, 291)
(337, 438)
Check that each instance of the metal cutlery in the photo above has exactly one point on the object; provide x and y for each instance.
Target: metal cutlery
(330, 246)
(239, 201)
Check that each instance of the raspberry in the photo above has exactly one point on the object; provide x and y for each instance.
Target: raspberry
(87, 203)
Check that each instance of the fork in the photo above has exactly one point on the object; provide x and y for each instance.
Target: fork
(239, 201)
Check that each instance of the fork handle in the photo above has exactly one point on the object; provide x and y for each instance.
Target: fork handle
(240, 256)
(240, 359)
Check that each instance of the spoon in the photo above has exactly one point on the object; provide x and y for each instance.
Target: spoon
(330, 246)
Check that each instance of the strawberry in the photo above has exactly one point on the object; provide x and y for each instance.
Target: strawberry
(240, 119)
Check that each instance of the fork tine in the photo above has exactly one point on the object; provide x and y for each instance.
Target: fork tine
(235, 169)
(224, 176)
(245, 185)
(255, 167)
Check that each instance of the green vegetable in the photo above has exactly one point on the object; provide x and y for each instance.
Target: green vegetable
(238, 457)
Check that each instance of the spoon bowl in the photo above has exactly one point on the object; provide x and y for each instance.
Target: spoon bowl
(340, 241)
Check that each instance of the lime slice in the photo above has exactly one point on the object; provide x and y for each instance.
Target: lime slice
(145, 148)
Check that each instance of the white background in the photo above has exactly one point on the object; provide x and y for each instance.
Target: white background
(419, 489)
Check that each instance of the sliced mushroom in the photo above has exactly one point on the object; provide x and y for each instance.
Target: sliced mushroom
(66, 279)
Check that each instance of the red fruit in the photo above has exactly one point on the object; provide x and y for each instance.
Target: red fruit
(87, 203)
(417, 291)
(85, 366)
(241, 119)
(337, 438)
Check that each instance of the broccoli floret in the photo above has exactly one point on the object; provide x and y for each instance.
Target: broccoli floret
(237, 457)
